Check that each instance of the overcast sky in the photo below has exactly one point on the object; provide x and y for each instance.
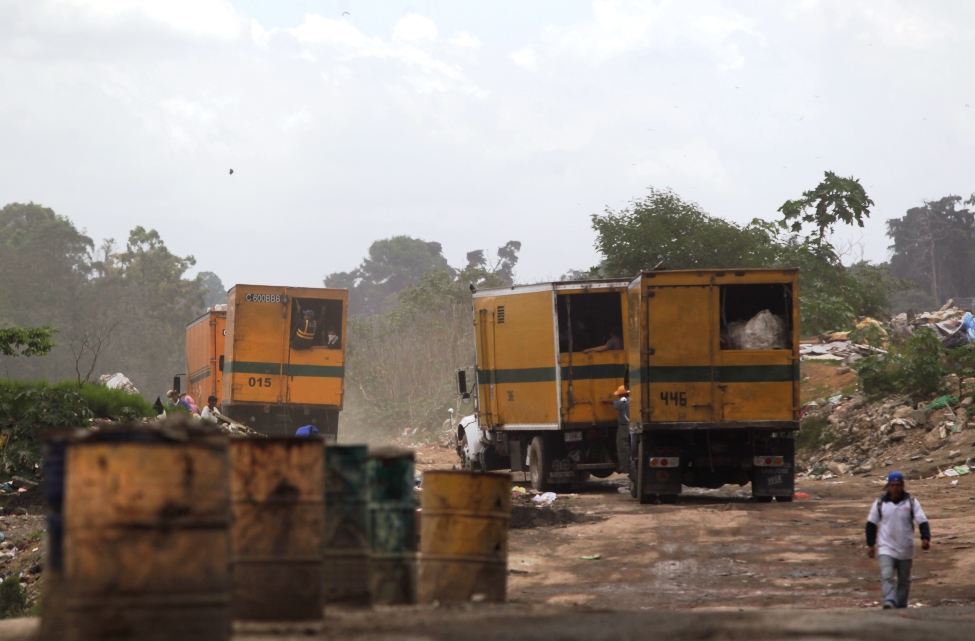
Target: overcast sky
(346, 121)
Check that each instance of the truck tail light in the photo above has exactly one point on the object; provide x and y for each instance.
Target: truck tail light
(664, 461)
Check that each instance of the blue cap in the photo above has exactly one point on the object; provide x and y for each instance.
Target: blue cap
(309, 313)
(895, 476)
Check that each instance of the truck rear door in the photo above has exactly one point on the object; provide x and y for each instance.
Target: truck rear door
(678, 369)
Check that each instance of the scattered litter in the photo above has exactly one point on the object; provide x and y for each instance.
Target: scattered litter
(963, 469)
(942, 401)
(516, 490)
(544, 499)
(623, 490)
(591, 557)
(800, 495)
(949, 472)
(836, 399)
(955, 482)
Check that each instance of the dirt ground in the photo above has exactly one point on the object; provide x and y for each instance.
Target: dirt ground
(714, 566)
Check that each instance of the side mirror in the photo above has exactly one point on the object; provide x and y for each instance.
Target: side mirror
(176, 383)
(220, 363)
(462, 382)
(466, 399)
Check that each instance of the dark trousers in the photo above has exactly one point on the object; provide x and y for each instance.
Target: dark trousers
(623, 449)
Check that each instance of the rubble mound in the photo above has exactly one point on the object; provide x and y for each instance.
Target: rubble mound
(524, 517)
(850, 435)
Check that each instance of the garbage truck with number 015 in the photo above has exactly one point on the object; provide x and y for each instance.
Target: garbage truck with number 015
(710, 358)
(245, 353)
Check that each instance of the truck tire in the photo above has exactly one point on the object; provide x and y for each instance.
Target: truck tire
(603, 474)
(538, 465)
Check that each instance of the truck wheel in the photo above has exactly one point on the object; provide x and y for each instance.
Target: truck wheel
(603, 474)
(538, 465)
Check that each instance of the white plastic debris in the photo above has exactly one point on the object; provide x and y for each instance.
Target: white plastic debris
(544, 499)
(118, 381)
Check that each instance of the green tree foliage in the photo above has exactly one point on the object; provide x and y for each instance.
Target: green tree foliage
(934, 246)
(834, 200)
(400, 364)
(216, 293)
(665, 228)
(26, 341)
(116, 310)
(29, 410)
(392, 265)
(916, 367)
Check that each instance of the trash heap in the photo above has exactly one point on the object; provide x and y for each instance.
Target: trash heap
(954, 326)
(924, 440)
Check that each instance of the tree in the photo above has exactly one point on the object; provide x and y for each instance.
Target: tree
(392, 265)
(834, 200)
(26, 341)
(215, 294)
(480, 274)
(663, 227)
(933, 246)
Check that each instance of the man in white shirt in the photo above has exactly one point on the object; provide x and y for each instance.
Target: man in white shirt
(209, 413)
(890, 527)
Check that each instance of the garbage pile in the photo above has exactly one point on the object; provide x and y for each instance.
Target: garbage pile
(118, 381)
(860, 437)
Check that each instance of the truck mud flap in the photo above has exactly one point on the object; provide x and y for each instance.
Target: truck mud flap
(773, 481)
(774, 468)
(654, 479)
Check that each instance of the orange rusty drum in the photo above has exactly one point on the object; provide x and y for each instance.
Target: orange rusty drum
(146, 551)
(278, 505)
(464, 536)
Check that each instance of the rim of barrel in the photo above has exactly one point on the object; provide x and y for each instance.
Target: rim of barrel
(167, 431)
(273, 440)
(348, 447)
(391, 452)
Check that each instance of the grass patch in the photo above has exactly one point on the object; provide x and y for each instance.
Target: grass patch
(34, 536)
(13, 600)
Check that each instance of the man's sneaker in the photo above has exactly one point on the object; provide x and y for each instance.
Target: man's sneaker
(889, 606)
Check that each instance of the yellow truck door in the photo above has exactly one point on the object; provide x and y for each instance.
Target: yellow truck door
(679, 353)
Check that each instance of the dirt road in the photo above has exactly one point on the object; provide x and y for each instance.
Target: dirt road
(719, 549)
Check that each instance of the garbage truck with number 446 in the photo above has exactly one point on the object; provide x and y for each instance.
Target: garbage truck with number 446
(710, 358)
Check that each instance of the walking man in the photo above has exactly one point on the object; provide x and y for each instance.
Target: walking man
(890, 526)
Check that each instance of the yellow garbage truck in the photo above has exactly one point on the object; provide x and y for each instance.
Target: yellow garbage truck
(274, 357)
(548, 356)
(710, 358)
(714, 376)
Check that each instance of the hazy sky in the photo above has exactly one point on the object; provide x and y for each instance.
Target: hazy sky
(469, 124)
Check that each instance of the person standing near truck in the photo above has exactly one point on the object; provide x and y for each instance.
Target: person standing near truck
(890, 537)
(622, 406)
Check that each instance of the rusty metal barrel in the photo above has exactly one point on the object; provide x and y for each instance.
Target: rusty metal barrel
(277, 490)
(464, 536)
(145, 544)
(345, 545)
(392, 526)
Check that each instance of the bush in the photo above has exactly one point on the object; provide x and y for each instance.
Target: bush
(916, 367)
(812, 434)
(13, 601)
(31, 408)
